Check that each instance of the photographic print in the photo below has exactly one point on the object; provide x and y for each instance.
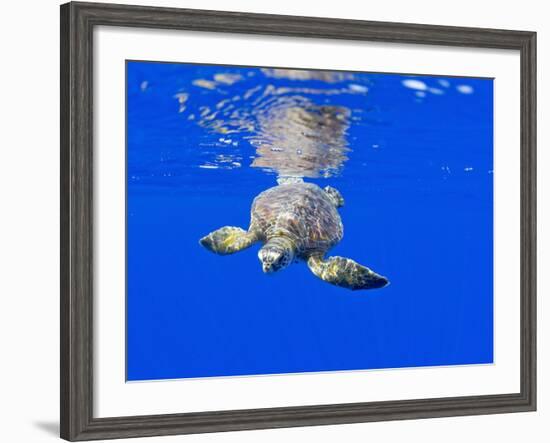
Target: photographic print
(284, 221)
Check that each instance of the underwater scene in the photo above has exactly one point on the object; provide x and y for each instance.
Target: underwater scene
(291, 221)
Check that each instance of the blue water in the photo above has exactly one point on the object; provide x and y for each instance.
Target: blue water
(413, 158)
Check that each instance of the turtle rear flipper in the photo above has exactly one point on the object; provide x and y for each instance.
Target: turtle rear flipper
(228, 240)
(346, 273)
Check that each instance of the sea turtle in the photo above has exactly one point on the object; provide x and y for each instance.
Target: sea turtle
(296, 221)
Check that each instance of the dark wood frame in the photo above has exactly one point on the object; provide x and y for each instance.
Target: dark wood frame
(77, 23)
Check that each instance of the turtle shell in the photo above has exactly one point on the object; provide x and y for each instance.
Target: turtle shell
(302, 212)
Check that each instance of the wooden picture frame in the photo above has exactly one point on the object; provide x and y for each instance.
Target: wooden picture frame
(77, 205)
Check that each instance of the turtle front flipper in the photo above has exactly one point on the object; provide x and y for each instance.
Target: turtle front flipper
(346, 273)
(228, 240)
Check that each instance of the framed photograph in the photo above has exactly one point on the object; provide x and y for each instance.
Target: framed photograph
(272, 221)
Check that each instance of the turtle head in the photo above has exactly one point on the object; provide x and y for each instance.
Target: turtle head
(276, 254)
(334, 196)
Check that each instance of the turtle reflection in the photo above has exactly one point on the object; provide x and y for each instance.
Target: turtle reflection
(292, 134)
(302, 74)
(302, 139)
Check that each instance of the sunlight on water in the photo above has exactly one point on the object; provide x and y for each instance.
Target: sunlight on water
(465, 89)
(415, 84)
